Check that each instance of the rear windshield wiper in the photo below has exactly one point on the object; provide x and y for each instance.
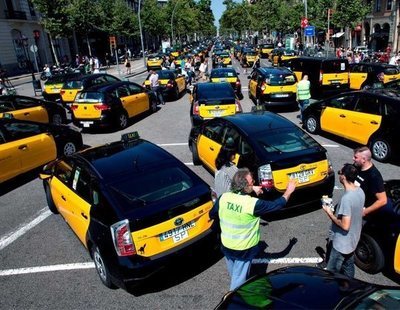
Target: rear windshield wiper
(128, 196)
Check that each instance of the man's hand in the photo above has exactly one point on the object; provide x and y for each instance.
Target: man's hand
(257, 189)
(291, 186)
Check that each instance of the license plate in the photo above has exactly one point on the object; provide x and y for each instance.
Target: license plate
(335, 82)
(216, 113)
(86, 124)
(222, 80)
(179, 233)
(302, 176)
(281, 95)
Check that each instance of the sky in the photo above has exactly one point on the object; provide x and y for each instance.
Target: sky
(218, 8)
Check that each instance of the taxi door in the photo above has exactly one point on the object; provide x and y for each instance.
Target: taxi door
(253, 82)
(180, 81)
(335, 115)
(10, 163)
(31, 144)
(209, 143)
(364, 120)
(357, 76)
(34, 113)
(137, 101)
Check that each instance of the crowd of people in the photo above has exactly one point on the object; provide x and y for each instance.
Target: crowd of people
(239, 209)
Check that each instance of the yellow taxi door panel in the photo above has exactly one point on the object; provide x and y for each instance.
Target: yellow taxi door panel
(208, 151)
(361, 126)
(129, 103)
(253, 87)
(298, 74)
(36, 151)
(10, 163)
(37, 114)
(60, 193)
(357, 79)
(334, 120)
(79, 219)
(397, 255)
(181, 83)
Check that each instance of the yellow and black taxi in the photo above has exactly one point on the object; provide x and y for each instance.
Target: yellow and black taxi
(73, 86)
(172, 83)
(229, 75)
(368, 117)
(154, 62)
(112, 105)
(379, 245)
(273, 148)
(26, 145)
(209, 100)
(327, 76)
(270, 86)
(226, 59)
(278, 55)
(133, 205)
(32, 109)
(248, 57)
(53, 85)
(367, 74)
(265, 49)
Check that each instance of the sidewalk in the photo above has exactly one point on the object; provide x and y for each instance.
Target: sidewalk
(137, 67)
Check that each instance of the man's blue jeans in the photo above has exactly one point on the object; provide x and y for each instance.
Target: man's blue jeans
(302, 105)
(238, 271)
(342, 263)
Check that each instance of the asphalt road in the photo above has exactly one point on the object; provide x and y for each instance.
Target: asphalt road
(44, 266)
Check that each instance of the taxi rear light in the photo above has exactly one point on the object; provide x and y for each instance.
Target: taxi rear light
(265, 177)
(101, 107)
(170, 84)
(196, 108)
(237, 83)
(320, 76)
(238, 106)
(264, 85)
(74, 107)
(122, 239)
(62, 92)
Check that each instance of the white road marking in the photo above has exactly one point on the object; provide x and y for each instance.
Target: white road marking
(287, 260)
(172, 144)
(23, 228)
(90, 265)
(28, 270)
(330, 145)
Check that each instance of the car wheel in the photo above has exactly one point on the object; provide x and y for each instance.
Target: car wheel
(122, 120)
(312, 124)
(153, 105)
(68, 148)
(195, 155)
(101, 267)
(49, 199)
(56, 119)
(368, 255)
(380, 149)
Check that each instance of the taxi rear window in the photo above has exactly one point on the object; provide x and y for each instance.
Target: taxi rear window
(218, 74)
(164, 75)
(334, 66)
(76, 84)
(280, 79)
(90, 97)
(152, 186)
(286, 140)
(215, 93)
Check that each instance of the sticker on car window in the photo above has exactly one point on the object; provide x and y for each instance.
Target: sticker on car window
(342, 66)
(76, 177)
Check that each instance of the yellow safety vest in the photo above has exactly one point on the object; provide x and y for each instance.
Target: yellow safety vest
(303, 90)
(240, 229)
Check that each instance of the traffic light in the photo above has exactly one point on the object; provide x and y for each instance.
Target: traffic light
(330, 13)
(113, 42)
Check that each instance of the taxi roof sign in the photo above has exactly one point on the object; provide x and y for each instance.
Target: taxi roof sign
(130, 136)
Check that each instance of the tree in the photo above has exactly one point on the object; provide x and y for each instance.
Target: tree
(53, 19)
(154, 20)
(83, 17)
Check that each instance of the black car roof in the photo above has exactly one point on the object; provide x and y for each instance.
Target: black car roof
(372, 64)
(108, 86)
(254, 122)
(121, 158)
(223, 70)
(212, 86)
(274, 70)
(90, 76)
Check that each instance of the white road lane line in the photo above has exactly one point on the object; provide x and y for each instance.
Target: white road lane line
(28, 270)
(23, 228)
(330, 145)
(172, 144)
(90, 265)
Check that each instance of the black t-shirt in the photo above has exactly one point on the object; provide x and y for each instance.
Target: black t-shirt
(371, 182)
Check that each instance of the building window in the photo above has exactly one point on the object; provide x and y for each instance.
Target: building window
(378, 6)
(389, 5)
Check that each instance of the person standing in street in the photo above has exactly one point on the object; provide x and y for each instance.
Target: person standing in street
(370, 180)
(155, 86)
(239, 217)
(127, 65)
(203, 70)
(303, 95)
(346, 223)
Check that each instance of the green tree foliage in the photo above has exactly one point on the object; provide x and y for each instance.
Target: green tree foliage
(205, 18)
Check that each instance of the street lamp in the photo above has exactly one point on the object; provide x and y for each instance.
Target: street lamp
(172, 20)
(141, 33)
(24, 40)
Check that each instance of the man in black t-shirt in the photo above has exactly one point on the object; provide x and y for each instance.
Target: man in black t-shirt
(370, 180)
